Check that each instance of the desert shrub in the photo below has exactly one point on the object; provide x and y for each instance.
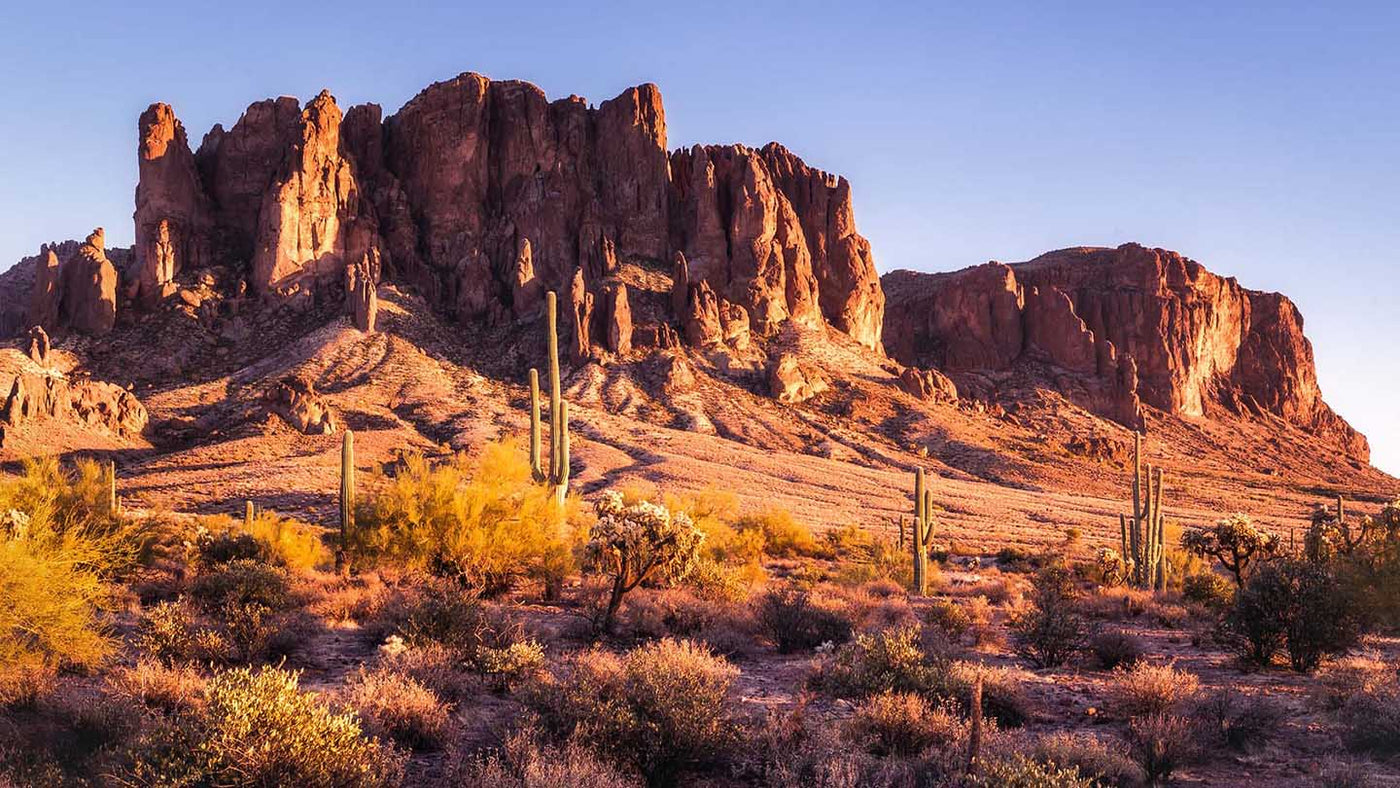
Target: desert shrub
(1090, 757)
(1339, 773)
(901, 724)
(783, 535)
(269, 537)
(1160, 744)
(225, 545)
(1209, 590)
(1338, 681)
(394, 706)
(663, 707)
(528, 762)
(484, 524)
(1297, 605)
(1022, 772)
(481, 638)
(1237, 720)
(1051, 631)
(249, 629)
(259, 728)
(1152, 689)
(864, 557)
(679, 612)
(798, 620)
(631, 543)
(888, 661)
(1235, 542)
(1370, 720)
(171, 633)
(243, 582)
(947, 618)
(1003, 694)
(1116, 648)
(60, 545)
(159, 687)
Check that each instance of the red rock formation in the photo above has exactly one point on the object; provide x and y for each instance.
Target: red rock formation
(304, 224)
(1132, 322)
(172, 211)
(361, 292)
(295, 399)
(44, 297)
(482, 195)
(88, 288)
(39, 346)
(617, 317)
(93, 404)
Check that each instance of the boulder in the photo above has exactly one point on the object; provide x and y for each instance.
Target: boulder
(294, 398)
(792, 382)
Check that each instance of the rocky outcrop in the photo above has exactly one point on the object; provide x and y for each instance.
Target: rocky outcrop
(617, 319)
(1133, 325)
(482, 195)
(295, 399)
(39, 346)
(928, 384)
(88, 288)
(85, 403)
(362, 292)
(306, 224)
(44, 297)
(172, 211)
(791, 381)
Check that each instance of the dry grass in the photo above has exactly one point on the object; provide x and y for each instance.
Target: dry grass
(1146, 689)
(158, 686)
(901, 724)
(395, 706)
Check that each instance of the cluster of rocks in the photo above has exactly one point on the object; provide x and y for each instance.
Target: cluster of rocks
(37, 397)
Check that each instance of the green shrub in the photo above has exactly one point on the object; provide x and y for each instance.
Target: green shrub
(1116, 648)
(1022, 772)
(947, 618)
(170, 633)
(798, 620)
(901, 724)
(891, 660)
(1236, 720)
(1161, 743)
(243, 582)
(663, 707)
(1296, 605)
(484, 524)
(1090, 757)
(1370, 719)
(1209, 590)
(1051, 630)
(527, 762)
(481, 638)
(259, 728)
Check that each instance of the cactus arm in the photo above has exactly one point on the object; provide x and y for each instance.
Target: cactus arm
(536, 469)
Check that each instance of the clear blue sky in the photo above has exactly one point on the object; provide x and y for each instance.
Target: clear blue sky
(1263, 141)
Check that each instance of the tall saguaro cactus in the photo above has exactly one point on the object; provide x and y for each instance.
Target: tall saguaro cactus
(557, 475)
(1144, 535)
(347, 496)
(923, 530)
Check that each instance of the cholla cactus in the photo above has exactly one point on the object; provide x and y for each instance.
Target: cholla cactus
(1112, 568)
(14, 525)
(635, 542)
(1332, 533)
(1234, 541)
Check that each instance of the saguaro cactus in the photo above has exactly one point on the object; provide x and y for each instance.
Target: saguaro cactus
(923, 530)
(114, 506)
(347, 496)
(1144, 535)
(557, 475)
(248, 516)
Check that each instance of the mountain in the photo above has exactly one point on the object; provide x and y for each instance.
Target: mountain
(312, 269)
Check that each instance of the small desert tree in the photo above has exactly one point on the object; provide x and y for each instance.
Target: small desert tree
(1234, 541)
(635, 542)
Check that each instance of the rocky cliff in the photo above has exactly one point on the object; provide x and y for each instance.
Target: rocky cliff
(1116, 329)
(481, 195)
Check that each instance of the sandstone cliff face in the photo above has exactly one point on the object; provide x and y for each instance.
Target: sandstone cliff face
(483, 194)
(172, 213)
(1132, 323)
